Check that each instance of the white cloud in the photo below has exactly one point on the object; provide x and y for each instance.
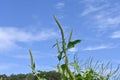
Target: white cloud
(90, 9)
(60, 5)
(10, 35)
(73, 50)
(103, 15)
(108, 17)
(115, 20)
(95, 2)
(115, 34)
(96, 47)
(91, 0)
(104, 22)
(92, 6)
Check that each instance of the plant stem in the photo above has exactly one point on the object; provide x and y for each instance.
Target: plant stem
(64, 50)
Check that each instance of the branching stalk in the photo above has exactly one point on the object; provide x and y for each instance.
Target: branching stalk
(64, 50)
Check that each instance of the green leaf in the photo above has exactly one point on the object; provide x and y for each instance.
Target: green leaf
(39, 71)
(72, 44)
(60, 55)
(59, 51)
(63, 66)
(55, 44)
(76, 66)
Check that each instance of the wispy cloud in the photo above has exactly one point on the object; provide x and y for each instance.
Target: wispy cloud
(93, 1)
(105, 22)
(59, 5)
(10, 35)
(92, 6)
(103, 15)
(90, 9)
(91, 48)
(73, 50)
(115, 34)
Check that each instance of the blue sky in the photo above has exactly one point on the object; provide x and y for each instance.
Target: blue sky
(28, 24)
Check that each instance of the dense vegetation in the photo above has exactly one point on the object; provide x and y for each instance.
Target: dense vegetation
(51, 75)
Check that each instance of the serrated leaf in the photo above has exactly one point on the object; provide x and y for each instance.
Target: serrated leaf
(72, 44)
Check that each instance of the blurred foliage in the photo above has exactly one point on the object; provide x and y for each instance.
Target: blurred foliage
(51, 75)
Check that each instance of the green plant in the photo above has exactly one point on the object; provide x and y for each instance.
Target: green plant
(1, 78)
(33, 67)
(66, 73)
(90, 71)
(88, 74)
(96, 71)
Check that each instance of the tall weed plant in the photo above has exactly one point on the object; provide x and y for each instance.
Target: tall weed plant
(89, 72)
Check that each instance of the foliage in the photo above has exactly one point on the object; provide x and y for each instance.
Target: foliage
(90, 72)
(33, 68)
(66, 73)
(51, 75)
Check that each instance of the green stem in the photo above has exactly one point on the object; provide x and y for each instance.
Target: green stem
(64, 50)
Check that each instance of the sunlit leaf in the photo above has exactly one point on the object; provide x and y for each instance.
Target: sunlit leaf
(72, 44)
(76, 66)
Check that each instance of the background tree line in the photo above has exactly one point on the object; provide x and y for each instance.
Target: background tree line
(51, 75)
